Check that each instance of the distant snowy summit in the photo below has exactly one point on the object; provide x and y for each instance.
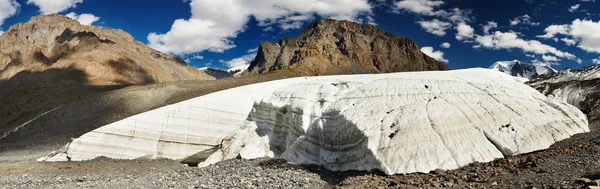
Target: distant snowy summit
(220, 73)
(522, 70)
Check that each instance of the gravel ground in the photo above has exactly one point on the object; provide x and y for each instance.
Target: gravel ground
(559, 167)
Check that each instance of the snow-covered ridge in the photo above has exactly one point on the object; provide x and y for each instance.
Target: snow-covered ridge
(397, 123)
(583, 74)
(521, 70)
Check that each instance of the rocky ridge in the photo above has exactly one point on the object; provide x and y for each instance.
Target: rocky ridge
(330, 47)
(577, 87)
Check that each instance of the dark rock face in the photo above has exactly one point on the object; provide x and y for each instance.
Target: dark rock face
(341, 47)
(580, 88)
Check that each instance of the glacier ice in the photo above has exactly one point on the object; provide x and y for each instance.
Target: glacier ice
(396, 123)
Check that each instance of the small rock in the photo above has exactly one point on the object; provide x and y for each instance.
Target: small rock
(583, 180)
(494, 184)
(447, 184)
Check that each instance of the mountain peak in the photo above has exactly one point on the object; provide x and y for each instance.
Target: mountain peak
(342, 47)
(522, 70)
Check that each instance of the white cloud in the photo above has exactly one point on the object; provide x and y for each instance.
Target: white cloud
(438, 55)
(435, 26)
(253, 50)
(490, 25)
(423, 7)
(1, 32)
(430, 8)
(552, 30)
(445, 45)
(83, 19)
(240, 63)
(198, 57)
(523, 20)
(54, 6)
(585, 33)
(596, 61)
(510, 40)
(8, 8)
(574, 8)
(549, 58)
(464, 31)
(569, 42)
(588, 0)
(214, 24)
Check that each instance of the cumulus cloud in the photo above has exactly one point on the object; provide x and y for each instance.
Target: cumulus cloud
(438, 55)
(523, 20)
(445, 45)
(54, 6)
(431, 8)
(569, 42)
(510, 40)
(464, 32)
(8, 8)
(574, 8)
(596, 60)
(214, 24)
(423, 7)
(585, 33)
(435, 26)
(83, 19)
(552, 30)
(490, 25)
(240, 63)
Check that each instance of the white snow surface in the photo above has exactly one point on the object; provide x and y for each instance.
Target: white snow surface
(396, 123)
(524, 72)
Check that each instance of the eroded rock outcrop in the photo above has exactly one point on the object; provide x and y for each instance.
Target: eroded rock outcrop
(341, 47)
(396, 123)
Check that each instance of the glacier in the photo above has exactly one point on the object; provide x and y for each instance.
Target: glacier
(396, 123)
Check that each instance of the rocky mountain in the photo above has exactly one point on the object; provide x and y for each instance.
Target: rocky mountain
(220, 73)
(522, 70)
(52, 60)
(342, 47)
(106, 56)
(580, 88)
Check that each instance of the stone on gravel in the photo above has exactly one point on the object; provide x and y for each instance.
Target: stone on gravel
(583, 180)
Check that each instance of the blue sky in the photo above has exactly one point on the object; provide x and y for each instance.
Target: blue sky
(226, 33)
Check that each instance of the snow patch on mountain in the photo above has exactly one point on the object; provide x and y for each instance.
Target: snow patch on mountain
(396, 123)
(522, 70)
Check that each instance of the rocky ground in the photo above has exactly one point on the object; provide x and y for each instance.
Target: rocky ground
(573, 163)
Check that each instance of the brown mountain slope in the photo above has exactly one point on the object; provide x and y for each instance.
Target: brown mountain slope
(106, 56)
(342, 47)
(52, 61)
